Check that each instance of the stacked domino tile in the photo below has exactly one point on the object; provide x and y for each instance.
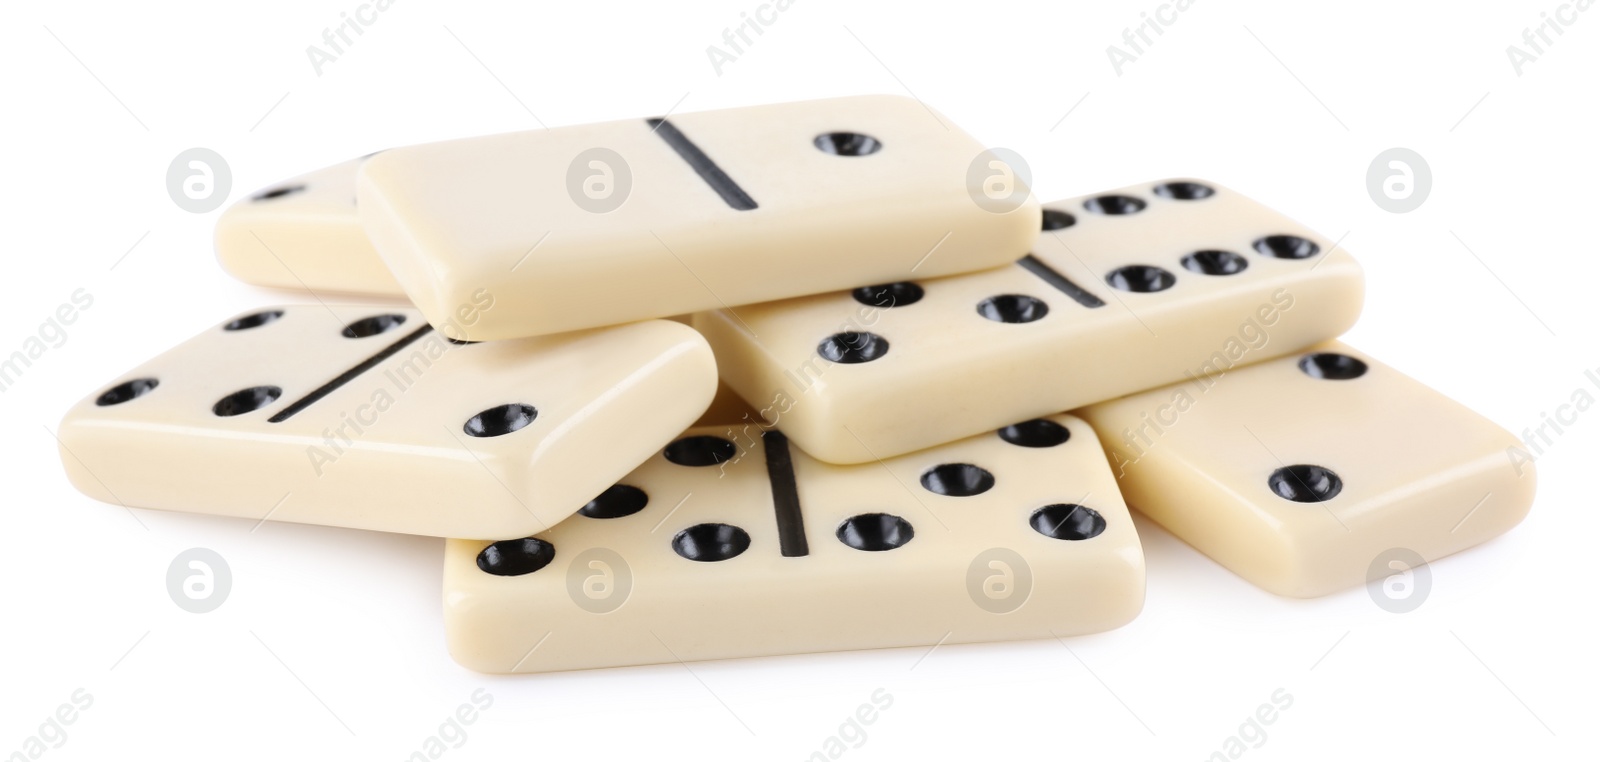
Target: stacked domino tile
(886, 326)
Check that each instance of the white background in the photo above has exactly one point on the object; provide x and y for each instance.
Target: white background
(331, 643)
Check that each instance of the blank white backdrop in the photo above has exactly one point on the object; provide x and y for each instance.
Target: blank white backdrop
(330, 644)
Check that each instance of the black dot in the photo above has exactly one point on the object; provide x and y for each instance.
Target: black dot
(1141, 279)
(711, 542)
(846, 143)
(373, 326)
(1184, 191)
(125, 391)
(617, 501)
(1114, 205)
(1332, 366)
(279, 192)
(1036, 433)
(246, 400)
(853, 347)
(957, 480)
(500, 420)
(1054, 220)
(1013, 308)
(889, 295)
(1287, 247)
(1215, 262)
(513, 558)
(1305, 483)
(252, 321)
(875, 532)
(1068, 521)
(700, 450)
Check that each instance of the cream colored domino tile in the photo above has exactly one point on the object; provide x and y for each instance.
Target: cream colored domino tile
(303, 233)
(703, 552)
(1204, 278)
(607, 223)
(367, 417)
(1299, 472)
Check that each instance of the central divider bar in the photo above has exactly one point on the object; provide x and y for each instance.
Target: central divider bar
(348, 376)
(785, 495)
(1061, 282)
(703, 165)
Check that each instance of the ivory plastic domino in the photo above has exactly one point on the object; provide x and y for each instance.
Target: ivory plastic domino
(607, 223)
(716, 549)
(1290, 472)
(303, 233)
(1125, 291)
(370, 418)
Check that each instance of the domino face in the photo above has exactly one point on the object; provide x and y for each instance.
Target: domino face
(303, 233)
(369, 418)
(621, 221)
(716, 548)
(1298, 473)
(1127, 290)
